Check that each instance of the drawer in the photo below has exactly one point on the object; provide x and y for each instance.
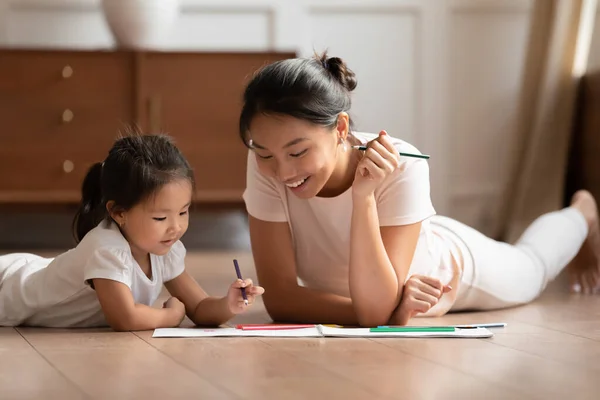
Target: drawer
(38, 174)
(75, 125)
(58, 78)
(219, 165)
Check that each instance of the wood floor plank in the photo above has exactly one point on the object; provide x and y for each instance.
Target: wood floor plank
(255, 370)
(10, 339)
(108, 364)
(390, 374)
(536, 376)
(585, 329)
(571, 314)
(25, 374)
(559, 326)
(552, 345)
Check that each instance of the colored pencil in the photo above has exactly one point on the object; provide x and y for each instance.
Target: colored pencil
(413, 329)
(425, 156)
(272, 327)
(239, 275)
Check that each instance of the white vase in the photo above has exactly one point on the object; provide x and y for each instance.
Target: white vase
(141, 24)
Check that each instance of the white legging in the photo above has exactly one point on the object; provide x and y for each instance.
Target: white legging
(499, 275)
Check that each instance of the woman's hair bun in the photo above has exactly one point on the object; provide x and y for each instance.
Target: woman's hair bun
(339, 70)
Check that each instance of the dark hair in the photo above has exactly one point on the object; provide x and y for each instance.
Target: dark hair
(136, 167)
(313, 89)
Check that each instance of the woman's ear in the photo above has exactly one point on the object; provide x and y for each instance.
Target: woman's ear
(343, 125)
(116, 213)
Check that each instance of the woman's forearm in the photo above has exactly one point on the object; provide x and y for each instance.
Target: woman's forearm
(303, 305)
(373, 280)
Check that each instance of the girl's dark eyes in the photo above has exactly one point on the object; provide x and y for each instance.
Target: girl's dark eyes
(164, 218)
(264, 157)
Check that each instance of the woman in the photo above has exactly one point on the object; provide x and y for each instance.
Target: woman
(342, 235)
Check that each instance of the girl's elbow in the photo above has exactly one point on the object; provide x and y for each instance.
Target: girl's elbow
(120, 326)
(123, 323)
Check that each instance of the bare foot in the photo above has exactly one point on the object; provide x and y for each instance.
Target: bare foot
(584, 270)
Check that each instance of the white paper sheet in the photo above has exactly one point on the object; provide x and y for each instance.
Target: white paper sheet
(364, 332)
(317, 331)
(221, 332)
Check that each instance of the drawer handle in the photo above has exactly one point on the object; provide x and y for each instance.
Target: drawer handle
(68, 166)
(67, 115)
(67, 72)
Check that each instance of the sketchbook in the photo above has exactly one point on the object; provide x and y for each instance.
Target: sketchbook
(319, 331)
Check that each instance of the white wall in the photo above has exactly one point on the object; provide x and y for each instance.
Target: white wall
(443, 74)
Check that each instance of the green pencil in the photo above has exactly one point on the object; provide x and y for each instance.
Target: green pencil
(413, 329)
(425, 156)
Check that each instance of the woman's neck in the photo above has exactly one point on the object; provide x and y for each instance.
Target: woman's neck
(343, 174)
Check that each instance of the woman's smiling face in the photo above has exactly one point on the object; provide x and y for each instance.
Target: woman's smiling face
(297, 153)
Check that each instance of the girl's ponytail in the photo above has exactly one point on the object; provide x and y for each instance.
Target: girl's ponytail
(92, 209)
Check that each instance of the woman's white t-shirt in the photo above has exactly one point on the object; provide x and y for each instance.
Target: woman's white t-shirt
(56, 292)
(320, 226)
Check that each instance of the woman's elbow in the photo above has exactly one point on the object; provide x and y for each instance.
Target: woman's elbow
(276, 312)
(374, 315)
(277, 306)
(369, 320)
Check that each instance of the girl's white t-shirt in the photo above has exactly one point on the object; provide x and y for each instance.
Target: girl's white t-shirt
(56, 292)
(320, 226)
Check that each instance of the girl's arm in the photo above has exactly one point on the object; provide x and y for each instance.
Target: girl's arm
(203, 309)
(199, 307)
(379, 262)
(284, 299)
(123, 314)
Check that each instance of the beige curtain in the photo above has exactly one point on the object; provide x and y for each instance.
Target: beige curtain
(556, 46)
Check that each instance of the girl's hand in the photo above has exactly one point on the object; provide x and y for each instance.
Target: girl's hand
(379, 160)
(235, 301)
(420, 293)
(177, 309)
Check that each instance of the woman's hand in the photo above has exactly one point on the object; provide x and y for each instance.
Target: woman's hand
(235, 301)
(379, 160)
(419, 295)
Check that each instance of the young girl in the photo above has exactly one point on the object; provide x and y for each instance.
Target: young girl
(133, 212)
(357, 228)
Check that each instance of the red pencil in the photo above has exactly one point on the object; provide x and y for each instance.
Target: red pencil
(255, 327)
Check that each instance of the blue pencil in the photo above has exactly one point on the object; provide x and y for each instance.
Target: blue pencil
(239, 275)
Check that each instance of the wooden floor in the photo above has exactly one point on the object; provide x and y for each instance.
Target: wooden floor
(550, 350)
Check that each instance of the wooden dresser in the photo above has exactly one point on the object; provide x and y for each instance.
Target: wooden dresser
(62, 110)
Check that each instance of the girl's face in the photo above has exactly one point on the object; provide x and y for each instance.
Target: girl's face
(299, 154)
(154, 225)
